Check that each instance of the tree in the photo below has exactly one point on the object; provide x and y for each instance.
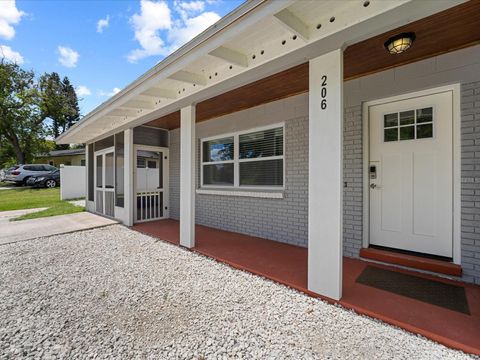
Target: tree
(30, 111)
(20, 119)
(59, 103)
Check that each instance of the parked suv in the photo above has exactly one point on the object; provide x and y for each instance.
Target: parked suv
(21, 174)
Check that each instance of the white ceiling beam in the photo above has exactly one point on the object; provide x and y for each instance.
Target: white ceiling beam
(293, 23)
(136, 104)
(162, 93)
(122, 112)
(188, 77)
(230, 56)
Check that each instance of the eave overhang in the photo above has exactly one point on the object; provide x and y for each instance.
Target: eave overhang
(258, 39)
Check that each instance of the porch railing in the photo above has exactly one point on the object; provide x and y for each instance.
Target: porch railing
(149, 205)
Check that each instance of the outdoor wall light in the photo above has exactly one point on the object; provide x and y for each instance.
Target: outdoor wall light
(399, 43)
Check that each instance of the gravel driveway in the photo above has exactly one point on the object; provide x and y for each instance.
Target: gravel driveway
(115, 293)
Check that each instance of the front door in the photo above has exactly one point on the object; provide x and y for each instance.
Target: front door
(411, 174)
(151, 183)
(104, 182)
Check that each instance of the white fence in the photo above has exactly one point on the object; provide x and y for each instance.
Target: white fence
(72, 182)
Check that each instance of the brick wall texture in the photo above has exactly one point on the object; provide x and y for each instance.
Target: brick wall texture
(285, 219)
(470, 190)
(282, 220)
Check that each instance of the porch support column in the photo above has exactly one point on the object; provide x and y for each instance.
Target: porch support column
(325, 179)
(128, 171)
(187, 176)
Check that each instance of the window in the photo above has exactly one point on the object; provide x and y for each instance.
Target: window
(82, 162)
(218, 162)
(408, 125)
(49, 167)
(246, 159)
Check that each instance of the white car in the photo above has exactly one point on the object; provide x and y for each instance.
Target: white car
(20, 173)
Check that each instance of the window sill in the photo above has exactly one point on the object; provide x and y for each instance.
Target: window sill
(274, 194)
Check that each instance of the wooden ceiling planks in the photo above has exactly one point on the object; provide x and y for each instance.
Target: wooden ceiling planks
(449, 30)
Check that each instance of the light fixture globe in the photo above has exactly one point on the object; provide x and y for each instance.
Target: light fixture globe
(399, 43)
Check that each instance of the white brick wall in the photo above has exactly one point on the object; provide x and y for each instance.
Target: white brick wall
(471, 181)
(285, 219)
(353, 181)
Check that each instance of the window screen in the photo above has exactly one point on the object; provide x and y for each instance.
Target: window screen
(90, 172)
(119, 169)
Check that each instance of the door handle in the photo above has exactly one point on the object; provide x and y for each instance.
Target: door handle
(375, 186)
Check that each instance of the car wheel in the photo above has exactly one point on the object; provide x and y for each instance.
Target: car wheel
(25, 181)
(50, 183)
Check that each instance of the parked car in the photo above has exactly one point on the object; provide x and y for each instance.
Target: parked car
(22, 173)
(49, 180)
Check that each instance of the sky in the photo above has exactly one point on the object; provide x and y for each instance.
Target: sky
(101, 45)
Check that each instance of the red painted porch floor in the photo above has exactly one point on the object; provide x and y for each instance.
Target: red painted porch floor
(287, 264)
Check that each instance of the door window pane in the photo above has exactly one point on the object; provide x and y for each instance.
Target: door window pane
(391, 134)
(218, 174)
(390, 120)
(218, 150)
(407, 117)
(262, 173)
(425, 115)
(99, 171)
(109, 184)
(412, 124)
(407, 133)
(424, 131)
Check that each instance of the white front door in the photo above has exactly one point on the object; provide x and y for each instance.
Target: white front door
(151, 183)
(411, 174)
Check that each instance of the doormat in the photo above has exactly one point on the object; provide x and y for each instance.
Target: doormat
(437, 293)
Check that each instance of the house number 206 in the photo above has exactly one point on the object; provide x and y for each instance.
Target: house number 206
(323, 93)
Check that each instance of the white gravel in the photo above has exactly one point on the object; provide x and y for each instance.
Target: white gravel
(115, 293)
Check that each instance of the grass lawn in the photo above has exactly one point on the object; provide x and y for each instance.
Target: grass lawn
(25, 198)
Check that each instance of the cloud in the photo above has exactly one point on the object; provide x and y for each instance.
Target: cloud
(103, 24)
(191, 28)
(186, 9)
(68, 57)
(8, 54)
(9, 15)
(82, 91)
(114, 91)
(153, 17)
(160, 33)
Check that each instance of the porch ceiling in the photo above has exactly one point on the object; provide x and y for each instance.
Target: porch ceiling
(257, 40)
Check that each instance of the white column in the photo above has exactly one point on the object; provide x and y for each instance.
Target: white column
(87, 174)
(325, 179)
(187, 176)
(128, 173)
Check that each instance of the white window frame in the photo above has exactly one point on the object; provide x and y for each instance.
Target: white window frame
(236, 159)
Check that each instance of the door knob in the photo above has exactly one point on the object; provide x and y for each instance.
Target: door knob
(373, 186)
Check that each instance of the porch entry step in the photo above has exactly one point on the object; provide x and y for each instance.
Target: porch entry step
(433, 292)
(412, 261)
